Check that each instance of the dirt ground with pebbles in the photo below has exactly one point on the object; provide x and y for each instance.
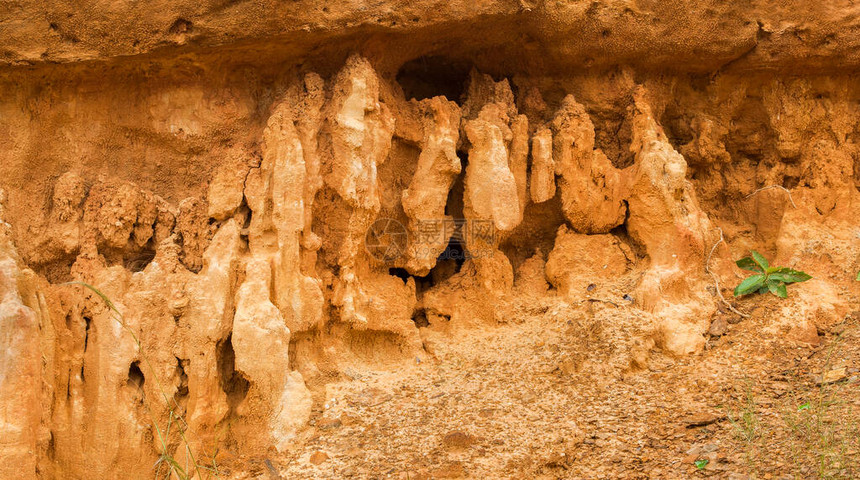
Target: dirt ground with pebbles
(547, 396)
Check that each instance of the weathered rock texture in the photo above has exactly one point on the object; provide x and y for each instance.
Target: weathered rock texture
(274, 195)
(20, 414)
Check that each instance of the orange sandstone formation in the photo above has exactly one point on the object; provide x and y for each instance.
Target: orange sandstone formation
(279, 196)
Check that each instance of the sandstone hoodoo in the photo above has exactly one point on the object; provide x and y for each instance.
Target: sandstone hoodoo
(238, 239)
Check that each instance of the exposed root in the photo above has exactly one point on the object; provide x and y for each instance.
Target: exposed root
(714, 276)
(768, 188)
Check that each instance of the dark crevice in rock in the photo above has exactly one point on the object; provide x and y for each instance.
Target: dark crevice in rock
(233, 383)
(400, 273)
(57, 271)
(419, 317)
(180, 398)
(135, 376)
(88, 322)
(138, 261)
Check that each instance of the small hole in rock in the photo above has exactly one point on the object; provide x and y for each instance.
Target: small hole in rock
(420, 319)
(180, 26)
(139, 261)
(135, 375)
(181, 395)
(87, 321)
(244, 212)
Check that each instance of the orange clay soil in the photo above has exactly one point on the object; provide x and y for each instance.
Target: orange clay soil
(427, 239)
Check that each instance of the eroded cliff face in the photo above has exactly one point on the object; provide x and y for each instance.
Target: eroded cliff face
(264, 229)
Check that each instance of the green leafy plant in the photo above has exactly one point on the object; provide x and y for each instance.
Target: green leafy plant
(701, 464)
(767, 278)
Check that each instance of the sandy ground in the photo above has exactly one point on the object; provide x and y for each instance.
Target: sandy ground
(548, 396)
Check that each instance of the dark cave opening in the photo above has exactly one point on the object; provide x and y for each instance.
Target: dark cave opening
(454, 202)
(455, 254)
(431, 76)
(448, 263)
(451, 260)
(400, 273)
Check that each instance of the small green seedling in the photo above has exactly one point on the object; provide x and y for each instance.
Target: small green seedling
(805, 406)
(701, 464)
(773, 279)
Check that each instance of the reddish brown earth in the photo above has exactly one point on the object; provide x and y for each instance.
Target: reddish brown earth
(266, 193)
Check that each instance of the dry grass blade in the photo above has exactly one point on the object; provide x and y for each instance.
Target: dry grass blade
(182, 426)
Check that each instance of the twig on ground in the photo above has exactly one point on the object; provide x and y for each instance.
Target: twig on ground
(716, 280)
(775, 186)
